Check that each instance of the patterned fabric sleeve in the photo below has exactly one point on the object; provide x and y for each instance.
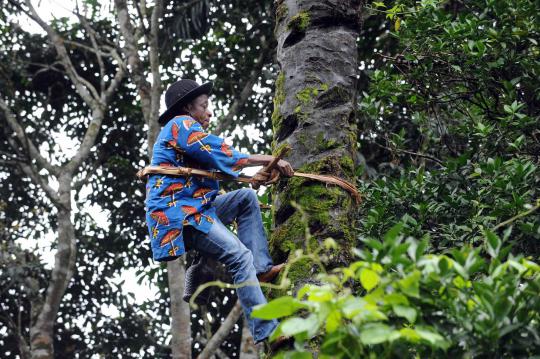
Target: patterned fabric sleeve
(208, 149)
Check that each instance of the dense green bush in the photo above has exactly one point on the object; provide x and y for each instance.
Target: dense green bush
(450, 121)
(399, 301)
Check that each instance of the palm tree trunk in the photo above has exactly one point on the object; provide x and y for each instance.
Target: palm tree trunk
(314, 114)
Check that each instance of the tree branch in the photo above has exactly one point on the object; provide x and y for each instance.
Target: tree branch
(153, 49)
(36, 178)
(224, 330)
(21, 340)
(31, 150)
(131, 51)
(84, 88)
(428, 157)
(219, 353)
(92, 35)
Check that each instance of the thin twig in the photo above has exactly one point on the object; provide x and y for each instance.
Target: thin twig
(428, 157)
(518, 216)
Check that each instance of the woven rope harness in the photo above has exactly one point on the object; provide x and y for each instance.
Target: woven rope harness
(215, 175)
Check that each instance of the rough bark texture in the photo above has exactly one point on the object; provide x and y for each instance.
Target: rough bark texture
(180, 313)
(314, 114)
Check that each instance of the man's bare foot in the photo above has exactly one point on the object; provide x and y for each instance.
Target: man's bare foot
(271, 274)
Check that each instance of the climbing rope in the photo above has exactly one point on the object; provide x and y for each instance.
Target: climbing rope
(255, 181)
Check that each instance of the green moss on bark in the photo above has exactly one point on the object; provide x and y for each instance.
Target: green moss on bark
(323, 144)
(299, 22)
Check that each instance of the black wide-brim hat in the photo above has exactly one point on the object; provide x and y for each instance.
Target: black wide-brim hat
(180, 94)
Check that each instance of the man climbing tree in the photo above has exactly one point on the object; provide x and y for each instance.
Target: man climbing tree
(185, 212)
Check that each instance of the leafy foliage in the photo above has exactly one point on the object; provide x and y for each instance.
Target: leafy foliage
(398, 300)
(451, 121)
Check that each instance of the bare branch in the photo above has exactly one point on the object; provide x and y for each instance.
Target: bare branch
(141, 11)
(87, 48)
(224, 330)
(17, 330)
(40, 182)
(153, 48)
(84, 88)
(88, 141)
(92, 35)
(247, 90)
(31, 150)
(131, 51)
(115, 82)
(422, 155)
(219, 353)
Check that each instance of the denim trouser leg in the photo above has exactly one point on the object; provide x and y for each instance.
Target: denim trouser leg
(243, 206)
(222, 245)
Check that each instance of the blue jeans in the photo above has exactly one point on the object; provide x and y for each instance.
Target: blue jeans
(244, 256)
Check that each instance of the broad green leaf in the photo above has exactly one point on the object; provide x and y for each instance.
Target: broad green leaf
(396, 298)
(432, 337)
(410, 284)
(369, 279)
(406, 312)
(321, 294)
(333, 321)
(393, 232)
(277, 308)
(409, 334)
(293, 326)
(376, 333)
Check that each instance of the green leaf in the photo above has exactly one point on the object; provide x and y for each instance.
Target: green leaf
(376, 333)
(493, 243)
(277, 308)
(369, 279)
(293, 326)
(406, 312)
(321, 294)
(393, 232)
(409, 334)
(410, 284)
(333, 321)
(379, 4)
(432, 337)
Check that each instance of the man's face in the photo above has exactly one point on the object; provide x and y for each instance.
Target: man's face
(199, 110)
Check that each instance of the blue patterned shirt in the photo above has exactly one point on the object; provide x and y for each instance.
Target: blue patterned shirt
(175, 202)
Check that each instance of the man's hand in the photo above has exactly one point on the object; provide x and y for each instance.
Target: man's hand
(285, 168)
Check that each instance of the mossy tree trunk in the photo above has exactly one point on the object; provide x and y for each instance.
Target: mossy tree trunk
(314, 114)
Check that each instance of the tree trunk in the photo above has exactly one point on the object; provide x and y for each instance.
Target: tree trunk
(314, 114)
(45, 311)
(180, 314)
